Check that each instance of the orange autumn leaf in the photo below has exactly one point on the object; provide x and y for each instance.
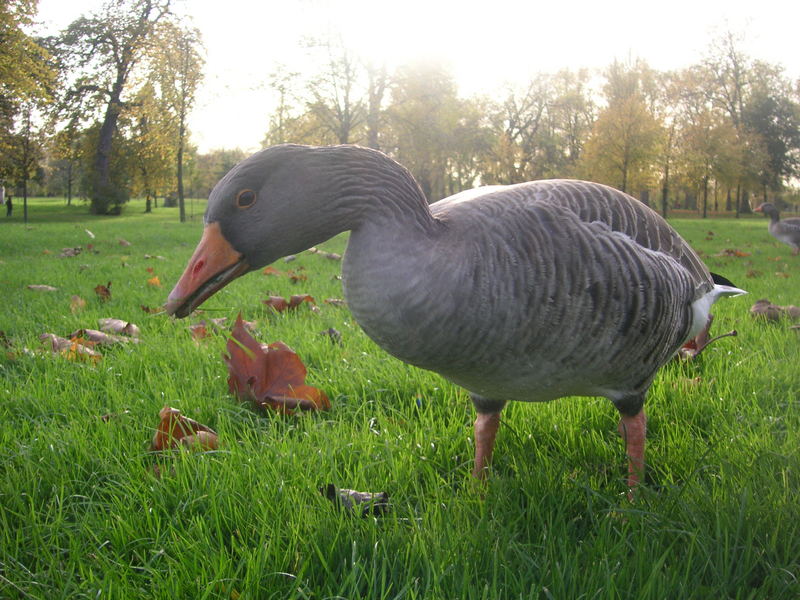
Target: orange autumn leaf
(271, 271)
(174, 429)
(154, 281)
(271, 376)
(103, 291)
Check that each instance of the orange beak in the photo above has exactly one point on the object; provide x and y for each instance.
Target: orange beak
(213, 265)
(758, 209)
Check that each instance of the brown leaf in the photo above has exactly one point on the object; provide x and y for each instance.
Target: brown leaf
(124, 242)
(70, 252)
(103, 292)
(295, 277)
(764, 309)
(271, 271)
(335, 302)
(298, 299)
(150, 270)
(271, 376)
(174, 428)
(76, 348)
(100, 337)
(150, 311)
(119, 326)
(277, 303)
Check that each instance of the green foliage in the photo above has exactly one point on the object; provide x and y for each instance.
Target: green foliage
(82, 513)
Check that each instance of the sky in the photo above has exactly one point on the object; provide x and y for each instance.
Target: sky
(487, 45)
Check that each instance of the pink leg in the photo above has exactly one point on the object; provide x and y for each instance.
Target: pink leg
(485, 432)
(634, 430)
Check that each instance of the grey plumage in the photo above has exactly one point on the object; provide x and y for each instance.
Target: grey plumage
(786, 230)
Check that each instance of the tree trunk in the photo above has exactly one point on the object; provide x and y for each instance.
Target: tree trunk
(665, 192)
(705, 196)
(101, 197)
(181, 202)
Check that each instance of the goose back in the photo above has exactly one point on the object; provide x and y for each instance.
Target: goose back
(530, 292)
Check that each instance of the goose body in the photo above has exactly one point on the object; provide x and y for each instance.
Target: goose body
(786, 230)
(527, 292)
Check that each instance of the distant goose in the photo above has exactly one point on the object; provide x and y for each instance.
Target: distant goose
(786, 231)
(525, 292)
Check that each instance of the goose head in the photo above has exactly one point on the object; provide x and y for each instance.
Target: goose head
(269, 205)
(768, 209)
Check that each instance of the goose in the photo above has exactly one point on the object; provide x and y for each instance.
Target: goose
(786, 231)
(527, 292)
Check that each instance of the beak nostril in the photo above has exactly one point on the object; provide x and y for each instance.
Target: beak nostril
(198, 266)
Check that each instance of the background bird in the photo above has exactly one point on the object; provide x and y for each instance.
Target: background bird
(526, 292)
(786, 231)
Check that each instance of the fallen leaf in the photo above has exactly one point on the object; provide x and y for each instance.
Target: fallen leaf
(335, 302)
(270, 376)
(783, 274)
(295, 277)
(150, 270)
(124, 242)
(276, 302)
(118, 326)
(271, 271)
(333, 256)
(289, 258)
(150, 310)
(753, 273)
(70, 252)
(280, 304)
(764, 309)
(89, 233)
(154, 256)
(175, 429)
(76, 303)
(732, 252)
(42, 288)
(46, 251)
(101, 337)
(334, 335)
(75, 349)
(154, 281)
(199, 331)
(357, 503)
(103, 292)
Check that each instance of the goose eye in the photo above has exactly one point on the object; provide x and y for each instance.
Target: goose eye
(245, 198)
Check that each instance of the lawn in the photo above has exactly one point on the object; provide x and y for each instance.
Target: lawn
(84, 514)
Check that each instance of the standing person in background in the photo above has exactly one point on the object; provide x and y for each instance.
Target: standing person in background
(9, 206)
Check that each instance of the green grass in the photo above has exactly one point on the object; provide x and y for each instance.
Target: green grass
(83, 516)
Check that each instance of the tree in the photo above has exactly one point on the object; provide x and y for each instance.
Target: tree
(421, 118)
(623, 145)
(23, 147)
(335, 101)
(26, 72)
(26, 78)
(102, 52)
(151, 133)
(179, 65)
